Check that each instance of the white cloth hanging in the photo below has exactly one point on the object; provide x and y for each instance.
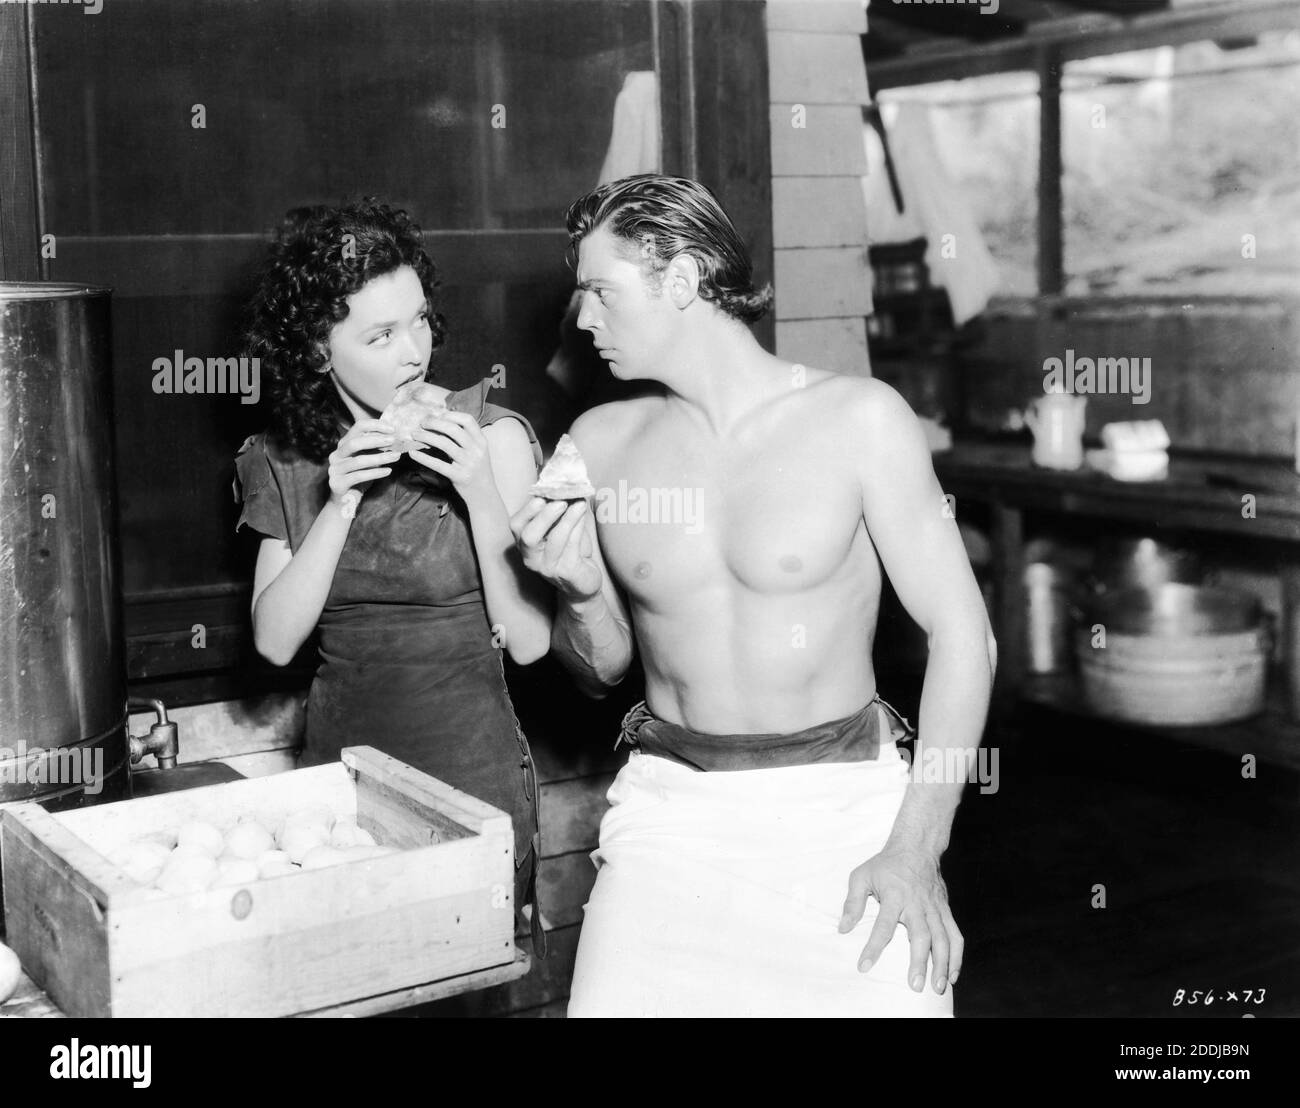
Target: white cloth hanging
(935, 207)
(634, 137)
(634, 147)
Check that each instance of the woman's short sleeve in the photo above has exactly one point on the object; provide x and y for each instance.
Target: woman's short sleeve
(474, 402)
(257, 490)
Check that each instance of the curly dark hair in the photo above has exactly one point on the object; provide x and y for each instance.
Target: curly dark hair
(321, 256)
(657, 217)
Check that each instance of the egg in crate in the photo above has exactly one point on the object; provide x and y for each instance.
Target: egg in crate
(10, 973)
(144, 860)
(312, 816)
(345, 833)
(202, 836)
(248, 840)
(299, 840)
(275, 868)
(188, 871)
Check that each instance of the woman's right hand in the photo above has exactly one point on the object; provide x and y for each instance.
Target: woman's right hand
(359, 459)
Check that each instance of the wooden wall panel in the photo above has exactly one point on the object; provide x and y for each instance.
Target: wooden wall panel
(571, 810)
(19, 240)
(565, 884)
(826, 16)
(817, 68)
(731, 141)
(818, 211)
(817, 284)
(829, 144)
(839, 345)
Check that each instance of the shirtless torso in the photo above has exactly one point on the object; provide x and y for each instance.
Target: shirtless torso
(754, 604)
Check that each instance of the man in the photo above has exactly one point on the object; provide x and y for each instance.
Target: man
(744, 508)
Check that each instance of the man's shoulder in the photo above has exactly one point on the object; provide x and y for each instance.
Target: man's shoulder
(862, 404)
(606, 426)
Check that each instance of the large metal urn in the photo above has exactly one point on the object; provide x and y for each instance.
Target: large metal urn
(63, 695)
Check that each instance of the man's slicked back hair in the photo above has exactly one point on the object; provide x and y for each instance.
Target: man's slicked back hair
(658, 217)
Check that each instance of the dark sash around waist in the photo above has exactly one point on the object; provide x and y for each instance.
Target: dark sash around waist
(855, 738)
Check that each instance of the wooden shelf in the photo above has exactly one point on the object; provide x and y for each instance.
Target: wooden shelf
(1272, 736)
(1202, 492)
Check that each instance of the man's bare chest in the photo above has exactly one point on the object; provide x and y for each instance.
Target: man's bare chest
(677, 515)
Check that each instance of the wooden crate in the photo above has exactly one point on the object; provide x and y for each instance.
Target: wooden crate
(103, 945)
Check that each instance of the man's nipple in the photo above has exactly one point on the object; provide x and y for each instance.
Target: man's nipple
(641, 571)
(791, 564)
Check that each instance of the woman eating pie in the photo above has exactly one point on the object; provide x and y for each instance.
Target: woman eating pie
(383, 502)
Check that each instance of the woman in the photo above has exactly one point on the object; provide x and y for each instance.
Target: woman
(404, 564)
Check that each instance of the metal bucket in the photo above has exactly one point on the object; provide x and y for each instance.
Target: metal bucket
(1047, 618)
(1143, 563)
(63, 698)
(1174, 655)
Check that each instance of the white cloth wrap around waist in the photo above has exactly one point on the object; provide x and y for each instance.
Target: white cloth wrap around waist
(720, 894)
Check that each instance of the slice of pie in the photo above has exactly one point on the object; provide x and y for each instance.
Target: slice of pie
(564, 477)
(412, 404)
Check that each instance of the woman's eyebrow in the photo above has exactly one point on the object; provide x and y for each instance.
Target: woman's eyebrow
(390, 323)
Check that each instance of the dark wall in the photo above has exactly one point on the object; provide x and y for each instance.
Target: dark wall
(393, 98)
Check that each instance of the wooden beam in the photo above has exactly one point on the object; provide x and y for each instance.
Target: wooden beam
(676, 125)
(219, 265)
(1225, 19)
(1051, 272)
(675, 22)
(964, 21)
(19, 224)
(733, 152)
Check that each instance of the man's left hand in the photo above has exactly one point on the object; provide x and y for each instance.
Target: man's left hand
(907, 884)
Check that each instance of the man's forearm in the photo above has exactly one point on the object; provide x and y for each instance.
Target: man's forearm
(954, 705)
(592, 643)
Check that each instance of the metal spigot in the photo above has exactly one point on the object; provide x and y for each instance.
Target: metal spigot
(161, 742)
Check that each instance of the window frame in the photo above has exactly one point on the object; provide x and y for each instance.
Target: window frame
(1045, 55)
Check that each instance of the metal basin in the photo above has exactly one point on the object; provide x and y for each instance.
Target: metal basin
(1143, 563)
(1175, 610)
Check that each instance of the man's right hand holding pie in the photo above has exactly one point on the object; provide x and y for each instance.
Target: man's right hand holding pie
(592, 634)
(556, 540)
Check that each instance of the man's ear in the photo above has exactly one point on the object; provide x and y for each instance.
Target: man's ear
(682, 280)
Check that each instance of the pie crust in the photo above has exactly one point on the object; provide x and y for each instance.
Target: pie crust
(564, 477)
(412, 404)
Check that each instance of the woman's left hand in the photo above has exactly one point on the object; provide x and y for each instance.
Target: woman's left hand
(469, 468)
